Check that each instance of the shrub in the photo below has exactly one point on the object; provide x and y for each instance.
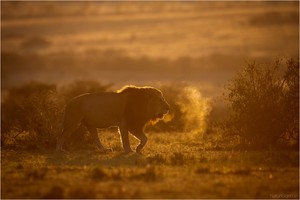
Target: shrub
(37, 109)
(32, 108)
(264, 104)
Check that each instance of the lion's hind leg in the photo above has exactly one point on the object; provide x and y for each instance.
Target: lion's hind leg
(69, 128)
(96, 139)
(66, 133)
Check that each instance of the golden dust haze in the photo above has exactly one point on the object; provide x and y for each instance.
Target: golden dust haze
(143, 43)
(195, 109)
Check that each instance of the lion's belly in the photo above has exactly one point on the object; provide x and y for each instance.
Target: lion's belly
(103, 110)
(101, 119)
(101, 122)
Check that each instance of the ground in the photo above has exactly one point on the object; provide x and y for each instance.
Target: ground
(172, 165)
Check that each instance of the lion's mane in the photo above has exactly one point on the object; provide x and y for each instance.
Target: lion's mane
(137, 110)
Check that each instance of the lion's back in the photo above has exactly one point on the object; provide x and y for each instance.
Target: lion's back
(98, 109)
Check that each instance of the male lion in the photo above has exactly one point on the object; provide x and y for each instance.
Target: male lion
(130, 109)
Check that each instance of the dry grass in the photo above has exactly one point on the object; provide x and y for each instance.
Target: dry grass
(168, 168)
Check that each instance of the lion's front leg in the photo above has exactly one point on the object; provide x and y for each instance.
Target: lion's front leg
(143, 140)
(125, 139)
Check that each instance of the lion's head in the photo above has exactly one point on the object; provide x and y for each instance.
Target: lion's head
(144, 104)
(157, 105)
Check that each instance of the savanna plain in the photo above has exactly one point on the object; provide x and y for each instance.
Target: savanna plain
(229, 71)
(172, 165)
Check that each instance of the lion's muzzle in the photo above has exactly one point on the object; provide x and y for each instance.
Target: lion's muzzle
(165, 110)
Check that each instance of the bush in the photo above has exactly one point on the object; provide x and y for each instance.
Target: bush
(36, 110)
(264, 103)
(32, 108)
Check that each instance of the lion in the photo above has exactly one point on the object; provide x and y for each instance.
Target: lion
(130, 109)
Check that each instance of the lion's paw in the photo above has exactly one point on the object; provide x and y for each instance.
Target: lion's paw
(128, 151)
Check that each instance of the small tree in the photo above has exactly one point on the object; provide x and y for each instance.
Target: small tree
(264, 104)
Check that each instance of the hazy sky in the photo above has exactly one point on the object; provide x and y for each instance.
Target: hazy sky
(203, 43)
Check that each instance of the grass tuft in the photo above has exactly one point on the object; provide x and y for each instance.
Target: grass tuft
(178, 158)
(35, 174)
(149, 175)
(82, 193)
(241, 171)
(116, 176)
(56, 192)
(98, 174)
(202, 170)
(157, 159)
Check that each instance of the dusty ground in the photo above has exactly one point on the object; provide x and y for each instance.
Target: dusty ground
(171, 166)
